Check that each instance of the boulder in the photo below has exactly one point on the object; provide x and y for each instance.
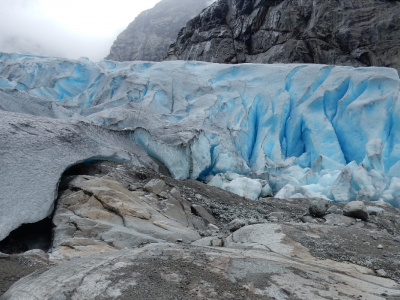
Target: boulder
(374, 210)
(307, 219)
(261, 236)
(339, 220)
(318, 207)
(37, 255)
(202, 212)
(154, 186)
(356, 209)
(236, 224)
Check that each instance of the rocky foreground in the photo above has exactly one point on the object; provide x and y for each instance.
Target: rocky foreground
(123, 232)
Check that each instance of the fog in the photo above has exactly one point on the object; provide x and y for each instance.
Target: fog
(65, 28)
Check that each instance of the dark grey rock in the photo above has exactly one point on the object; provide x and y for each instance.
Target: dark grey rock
(212, 227)
(154, 186)
(202, 212)
(150, 34)
(318, 207)
(334, 209)
(133, 187)
(36, 255)
(261, 210)
(217, 242)
(356, 209)
(381, 273)
(236, 224)
(339, 220)
(307, 219)
(374, 210)
(357, 33)
(277, 215)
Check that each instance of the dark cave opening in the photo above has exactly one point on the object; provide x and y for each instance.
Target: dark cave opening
(28, 237)
(90, 167)
(39, 235)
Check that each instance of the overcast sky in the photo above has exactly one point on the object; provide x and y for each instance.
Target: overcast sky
(66, 28)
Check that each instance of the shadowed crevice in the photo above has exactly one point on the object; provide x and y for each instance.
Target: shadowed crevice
(28, 237)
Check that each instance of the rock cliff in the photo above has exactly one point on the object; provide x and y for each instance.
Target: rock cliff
(150, 34)
(357, 33)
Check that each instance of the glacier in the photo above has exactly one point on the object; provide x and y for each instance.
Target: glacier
(279, 130)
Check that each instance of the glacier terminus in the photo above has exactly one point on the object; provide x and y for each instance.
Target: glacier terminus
(256, 130)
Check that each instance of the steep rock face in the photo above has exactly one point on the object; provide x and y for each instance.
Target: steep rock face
(150, 34)
(357, 33)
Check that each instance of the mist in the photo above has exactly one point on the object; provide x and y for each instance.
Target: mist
(66, 28)
(72, 29)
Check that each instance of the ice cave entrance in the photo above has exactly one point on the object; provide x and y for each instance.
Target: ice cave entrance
(39, 235)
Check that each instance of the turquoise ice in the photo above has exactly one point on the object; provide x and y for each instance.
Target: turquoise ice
(284, 130)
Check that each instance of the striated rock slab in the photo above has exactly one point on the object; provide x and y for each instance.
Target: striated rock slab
(99, 215)
(167, 271)
(356, 33)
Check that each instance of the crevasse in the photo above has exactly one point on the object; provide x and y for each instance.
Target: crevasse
(299, 130)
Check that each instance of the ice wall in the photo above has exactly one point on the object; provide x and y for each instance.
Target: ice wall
(293, 130)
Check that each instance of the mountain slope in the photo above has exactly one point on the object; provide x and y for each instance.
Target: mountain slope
(150, 34)
(357, 33)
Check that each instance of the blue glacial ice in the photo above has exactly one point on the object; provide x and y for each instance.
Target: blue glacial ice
(256, 130)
